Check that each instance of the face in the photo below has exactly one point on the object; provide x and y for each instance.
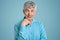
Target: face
(29, 12)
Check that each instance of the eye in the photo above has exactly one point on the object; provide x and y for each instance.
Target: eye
(26, 10)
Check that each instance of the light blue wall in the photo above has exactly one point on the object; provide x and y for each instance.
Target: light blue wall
(48, 12)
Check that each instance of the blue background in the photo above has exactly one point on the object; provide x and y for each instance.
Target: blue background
(48, 12)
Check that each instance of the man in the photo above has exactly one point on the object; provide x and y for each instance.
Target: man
(28, 28)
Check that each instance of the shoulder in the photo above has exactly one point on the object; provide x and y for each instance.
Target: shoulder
(37, 21)
(18, 23)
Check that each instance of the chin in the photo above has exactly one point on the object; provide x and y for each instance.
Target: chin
(31, 18)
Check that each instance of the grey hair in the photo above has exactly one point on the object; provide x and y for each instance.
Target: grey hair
(29, 4)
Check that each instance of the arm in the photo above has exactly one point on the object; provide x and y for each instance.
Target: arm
(16, 32)
(21, 31)
(19, 34)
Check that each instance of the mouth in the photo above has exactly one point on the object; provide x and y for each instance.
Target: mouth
(29, 16)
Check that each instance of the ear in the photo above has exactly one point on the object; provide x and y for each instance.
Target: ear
(23, 11)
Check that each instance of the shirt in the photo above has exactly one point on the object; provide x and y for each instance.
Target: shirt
(33, 31)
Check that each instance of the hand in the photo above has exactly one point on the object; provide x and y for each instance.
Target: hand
(25, 22)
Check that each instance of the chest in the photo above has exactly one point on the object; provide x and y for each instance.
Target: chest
(33, 32)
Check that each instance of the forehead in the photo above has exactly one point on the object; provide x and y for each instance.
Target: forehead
(29, 8)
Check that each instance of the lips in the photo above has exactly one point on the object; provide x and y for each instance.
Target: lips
(29, 16)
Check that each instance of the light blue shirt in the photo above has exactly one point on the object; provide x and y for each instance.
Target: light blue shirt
(34, 31)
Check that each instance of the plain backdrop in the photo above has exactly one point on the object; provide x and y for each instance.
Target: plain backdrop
(48, 12)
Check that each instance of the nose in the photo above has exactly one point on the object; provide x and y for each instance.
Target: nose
(29, 13)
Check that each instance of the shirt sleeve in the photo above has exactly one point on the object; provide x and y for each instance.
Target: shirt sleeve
(16, 32)
(43, 33)
(23, 32)
(20, 32)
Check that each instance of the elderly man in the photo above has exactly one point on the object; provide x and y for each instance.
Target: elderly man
(29, 28)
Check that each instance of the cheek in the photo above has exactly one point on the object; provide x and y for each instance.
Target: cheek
(26, 13)
(33, 13)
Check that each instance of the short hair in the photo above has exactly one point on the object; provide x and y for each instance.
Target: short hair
(29, 4)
